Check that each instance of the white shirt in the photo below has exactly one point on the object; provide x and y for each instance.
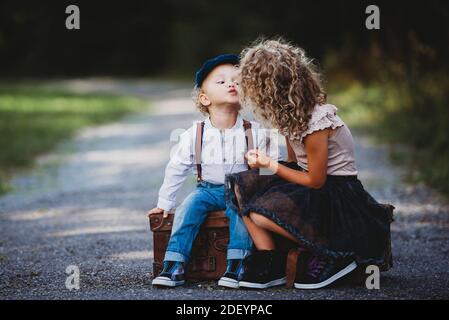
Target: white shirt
(222, 153)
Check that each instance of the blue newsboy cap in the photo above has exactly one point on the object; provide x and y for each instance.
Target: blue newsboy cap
(210, 64)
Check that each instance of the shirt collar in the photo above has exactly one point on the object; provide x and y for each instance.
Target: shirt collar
(238, 123)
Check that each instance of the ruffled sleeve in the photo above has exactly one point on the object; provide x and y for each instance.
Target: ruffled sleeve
(323, 117)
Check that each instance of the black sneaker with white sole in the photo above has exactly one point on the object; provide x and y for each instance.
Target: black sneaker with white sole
(264, 269)
(233, 274)
(321, 272)
(172, 275)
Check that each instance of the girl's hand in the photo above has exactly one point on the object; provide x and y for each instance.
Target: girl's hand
(258, 159)
(158, 210)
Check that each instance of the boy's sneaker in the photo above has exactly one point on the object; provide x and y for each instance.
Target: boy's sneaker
(264, 269)
(172, 275)
(233, 274)
(320, 272)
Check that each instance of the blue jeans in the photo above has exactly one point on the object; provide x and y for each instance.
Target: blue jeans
(193, 212)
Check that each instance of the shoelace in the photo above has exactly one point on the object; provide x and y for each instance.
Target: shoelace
(171, 267)
(315, 266)
(234, 266)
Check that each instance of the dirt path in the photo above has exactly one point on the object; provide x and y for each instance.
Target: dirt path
(85, 205)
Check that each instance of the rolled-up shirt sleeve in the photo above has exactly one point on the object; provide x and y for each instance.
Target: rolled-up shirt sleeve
(178, 168)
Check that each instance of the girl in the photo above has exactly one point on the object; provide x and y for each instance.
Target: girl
(315, 198)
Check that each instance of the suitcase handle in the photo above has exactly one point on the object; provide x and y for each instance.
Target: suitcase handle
(160, 225)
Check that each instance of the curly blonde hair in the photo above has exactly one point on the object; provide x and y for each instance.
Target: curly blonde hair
(281, 84)
(196, 100)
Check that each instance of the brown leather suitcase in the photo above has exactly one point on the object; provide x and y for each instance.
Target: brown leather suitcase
(208, 256)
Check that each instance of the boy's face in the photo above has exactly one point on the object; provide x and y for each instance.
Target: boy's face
(221, 86)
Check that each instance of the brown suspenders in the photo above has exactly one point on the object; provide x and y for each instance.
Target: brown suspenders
(199, 143)
(248, 135)
(198, 147)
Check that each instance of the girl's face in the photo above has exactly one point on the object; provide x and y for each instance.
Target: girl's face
(221, 86)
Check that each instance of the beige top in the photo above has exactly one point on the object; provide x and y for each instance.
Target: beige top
(341, 160)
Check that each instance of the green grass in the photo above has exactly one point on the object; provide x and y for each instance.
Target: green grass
(34, 120)
(415, 116)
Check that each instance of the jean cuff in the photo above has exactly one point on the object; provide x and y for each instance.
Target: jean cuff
(174, 256)
(237, 254)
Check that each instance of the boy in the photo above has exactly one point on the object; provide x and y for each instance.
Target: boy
(223, 148)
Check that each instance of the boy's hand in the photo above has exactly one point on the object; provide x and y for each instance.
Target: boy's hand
(158, 210)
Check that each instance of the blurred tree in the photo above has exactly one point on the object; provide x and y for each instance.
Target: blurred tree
(140, 37)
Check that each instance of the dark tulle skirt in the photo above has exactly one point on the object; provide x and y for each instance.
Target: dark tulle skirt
(339, 220)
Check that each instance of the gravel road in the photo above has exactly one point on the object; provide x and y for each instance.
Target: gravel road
(85, 205)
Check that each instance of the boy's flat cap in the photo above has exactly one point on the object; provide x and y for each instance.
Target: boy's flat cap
(210, 64)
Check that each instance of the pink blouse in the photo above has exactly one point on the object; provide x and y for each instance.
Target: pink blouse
(341, 155)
